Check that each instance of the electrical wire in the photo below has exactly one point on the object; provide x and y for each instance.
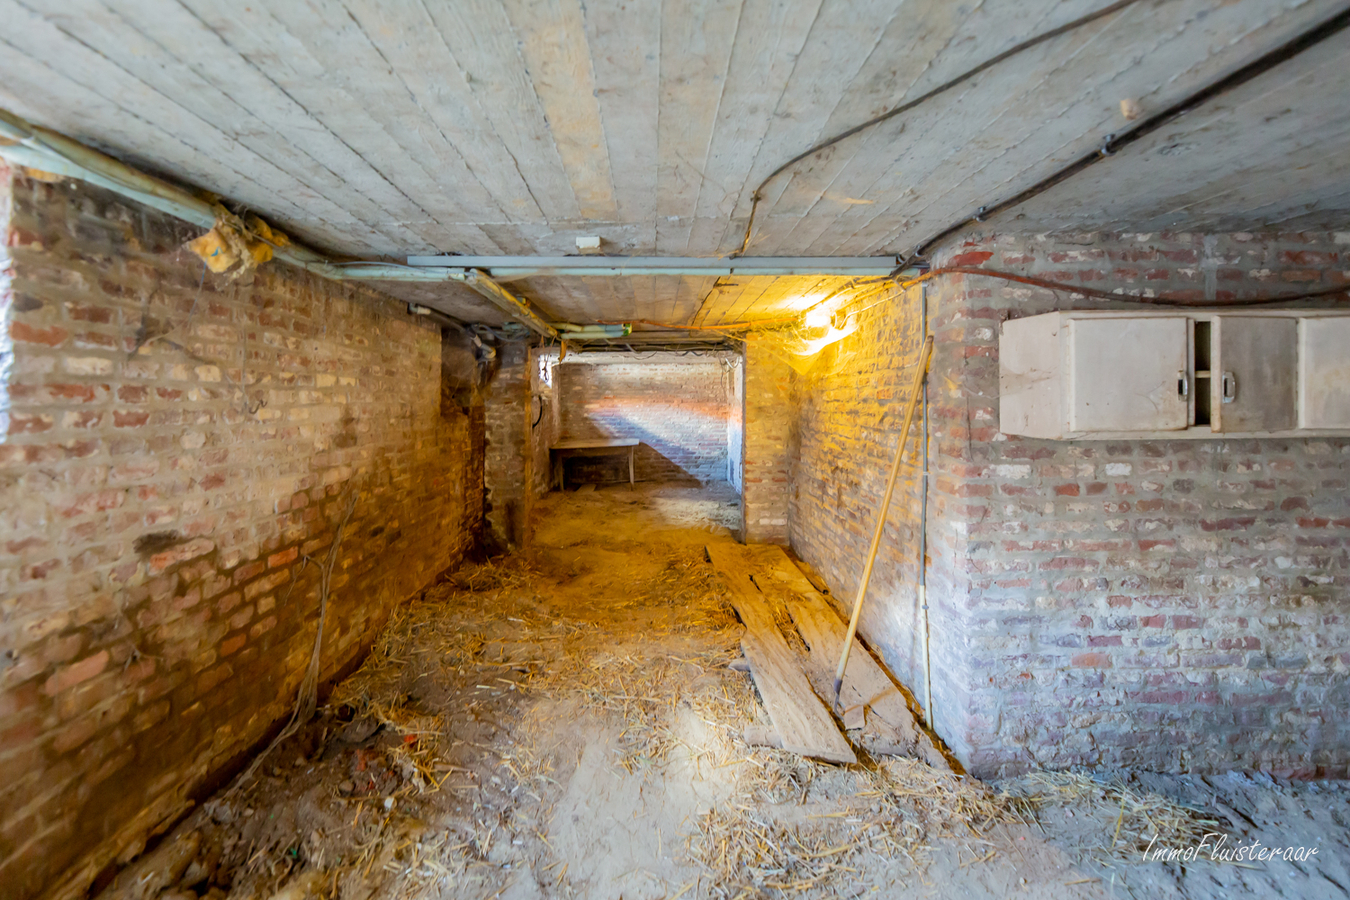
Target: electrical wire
(1082, 290)
(1160, 300)
(890, 281)
(377, 262)
(965, 76)
(1114, 143)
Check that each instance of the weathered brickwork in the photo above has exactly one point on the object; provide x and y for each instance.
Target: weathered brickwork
(676, 406)
(180, 448)
(508, 497)
(1174, 605)
(765, 424)
(545, 415)
(846, 415)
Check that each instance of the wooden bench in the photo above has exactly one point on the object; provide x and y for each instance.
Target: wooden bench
(607, 447)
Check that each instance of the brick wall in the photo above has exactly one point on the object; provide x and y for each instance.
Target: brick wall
(508, 468)
(545, 414)
(846, 415)
(177, 447)
(1173, 605)
(766, 419)
(677, 406)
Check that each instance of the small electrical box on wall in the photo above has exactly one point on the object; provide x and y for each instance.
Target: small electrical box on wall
(1184, 374)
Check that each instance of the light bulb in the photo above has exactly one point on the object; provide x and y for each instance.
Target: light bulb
(817, 318)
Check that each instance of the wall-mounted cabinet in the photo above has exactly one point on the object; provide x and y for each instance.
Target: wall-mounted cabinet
(1324, 373)
(1191, 374)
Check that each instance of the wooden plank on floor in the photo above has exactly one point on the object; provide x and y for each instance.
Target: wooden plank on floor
(802, 720)
(867, 689)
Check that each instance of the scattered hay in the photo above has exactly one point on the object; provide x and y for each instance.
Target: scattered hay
(747, 854)
(647, 692)
(592, 659)
(427, 638)
(892, 813)
(501, 573)
(1129, 819)
(779, 776)
(407, 859)
(944, 804)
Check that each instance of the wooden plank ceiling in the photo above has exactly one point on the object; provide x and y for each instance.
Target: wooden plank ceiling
(383, 128)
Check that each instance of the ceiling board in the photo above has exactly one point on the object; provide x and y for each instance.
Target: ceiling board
(383, 128)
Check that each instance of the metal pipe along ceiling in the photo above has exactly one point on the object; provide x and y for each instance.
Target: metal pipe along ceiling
(25, 144)
(614, 266)
(32, 146)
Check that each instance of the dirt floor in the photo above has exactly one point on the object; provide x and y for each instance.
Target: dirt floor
(564, 723)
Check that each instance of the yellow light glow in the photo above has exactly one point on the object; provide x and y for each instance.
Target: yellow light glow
(817, 318)
(812, 347)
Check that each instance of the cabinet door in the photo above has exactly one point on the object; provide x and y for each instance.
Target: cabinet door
(1324, 372)
(1128, 374)
(1030, 384)
(1253, 381)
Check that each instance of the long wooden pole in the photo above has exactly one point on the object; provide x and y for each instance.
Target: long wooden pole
(919, 372)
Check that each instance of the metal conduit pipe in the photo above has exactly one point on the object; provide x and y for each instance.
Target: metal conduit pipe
(33, 146)
(617, 266)
(923, 525)
(1114, 143)
(616, 271)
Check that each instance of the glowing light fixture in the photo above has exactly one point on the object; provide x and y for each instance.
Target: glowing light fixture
(817, 317)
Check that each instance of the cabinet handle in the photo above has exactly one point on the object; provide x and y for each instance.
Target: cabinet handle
(1183, 384)
(1229, 387)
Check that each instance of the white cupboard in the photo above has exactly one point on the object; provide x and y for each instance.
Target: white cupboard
(1127, 374)
(1176, 374)
(1324, 373)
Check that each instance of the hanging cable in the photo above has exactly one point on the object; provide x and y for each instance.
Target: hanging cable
(889, 114)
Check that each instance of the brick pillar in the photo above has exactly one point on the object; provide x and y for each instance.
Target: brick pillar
(764, 508)
(507, 468)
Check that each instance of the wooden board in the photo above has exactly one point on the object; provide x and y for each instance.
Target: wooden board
(799, 716)
(865, 687)
(597, 444)
(380, 129)
(551, 40)
(869, 697)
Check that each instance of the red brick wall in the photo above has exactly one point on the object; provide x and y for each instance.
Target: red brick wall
(677, 406)
(1174, 605)
(508, 497)
(545, 416)
(157, 506)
